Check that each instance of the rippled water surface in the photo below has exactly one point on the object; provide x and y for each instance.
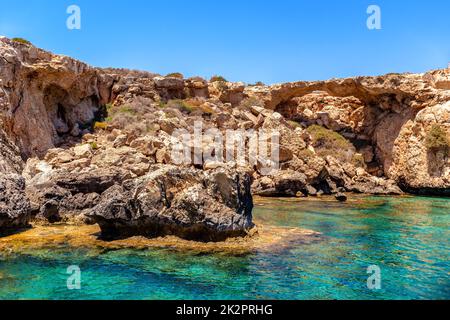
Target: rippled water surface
(408, 238)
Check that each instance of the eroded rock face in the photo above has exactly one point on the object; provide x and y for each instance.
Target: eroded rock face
(14, 205)
(44, 96)
(59, 195)
(48, 104)
(184, 202)
(10, 160)
(418, 168)
(387, 119)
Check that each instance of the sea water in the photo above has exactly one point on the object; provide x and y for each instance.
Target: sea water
(407, 238)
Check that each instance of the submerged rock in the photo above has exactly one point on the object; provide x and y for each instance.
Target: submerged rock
(189, 203)
(340, 197)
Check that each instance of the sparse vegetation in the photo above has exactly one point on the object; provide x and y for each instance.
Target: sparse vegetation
(127, 109)
(190, 106)
(305, 154)
(256, 84)
(358, 160)
(181, 105)
(22, 40)
(94, 145)
(250, 102)
(330, 143)
(217, 78)
(437, 139)
(175, 75)
(108, 107)
(162, 104)
(294, 124)
(100, 125)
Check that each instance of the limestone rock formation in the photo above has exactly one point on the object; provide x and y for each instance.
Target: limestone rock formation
(10, 160)
(14, 205)
(184, 202)
(78, 134)
(417, 167)
(44, 96)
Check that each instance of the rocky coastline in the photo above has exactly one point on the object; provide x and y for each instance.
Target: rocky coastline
(88, 145)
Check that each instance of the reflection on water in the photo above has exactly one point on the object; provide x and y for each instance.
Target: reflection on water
(408, 238)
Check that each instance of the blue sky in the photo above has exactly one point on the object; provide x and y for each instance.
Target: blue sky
(246, 40)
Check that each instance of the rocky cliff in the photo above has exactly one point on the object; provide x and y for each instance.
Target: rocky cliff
(89, 141)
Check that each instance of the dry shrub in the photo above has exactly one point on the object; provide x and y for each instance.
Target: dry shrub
(437, 139)
(329, 143)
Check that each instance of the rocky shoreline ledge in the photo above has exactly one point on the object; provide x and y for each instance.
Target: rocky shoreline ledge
(93, 146)
(41, 238)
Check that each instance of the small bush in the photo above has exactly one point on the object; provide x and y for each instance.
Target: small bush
(181, 105)
(206, 110)
(358, 160)
(257, 84)
(22, 40)
(109, 107)
(330, 143)
(437, 139)
(100, 126)
(127, 109)
(175, 75)
(94, 145)
(162, 104)
(217, 78)
(305, 154)
(294, 124)
(250, 102)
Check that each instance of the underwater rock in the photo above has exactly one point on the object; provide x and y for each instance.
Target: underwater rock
(340, 197)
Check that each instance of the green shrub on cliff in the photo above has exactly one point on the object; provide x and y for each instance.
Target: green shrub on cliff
(330, 143)
(256, 84)
(325, 137)
(250, 102)
(437, 139)
(190, 105)
(294, 124)
(22, 40)
(127, 109)
(181, 105)
(177, 75)
(218, 78)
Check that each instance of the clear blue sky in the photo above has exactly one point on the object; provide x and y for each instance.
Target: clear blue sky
(246, 40)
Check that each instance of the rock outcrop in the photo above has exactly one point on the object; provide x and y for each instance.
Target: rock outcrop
(189, 203)
(14, 206)
(95, 139)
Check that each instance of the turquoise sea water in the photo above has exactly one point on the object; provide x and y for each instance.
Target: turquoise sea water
(408, 238)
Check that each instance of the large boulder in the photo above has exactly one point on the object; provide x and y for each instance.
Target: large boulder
(189, 203)
(59, 195)
(281, 184)
(14, 205)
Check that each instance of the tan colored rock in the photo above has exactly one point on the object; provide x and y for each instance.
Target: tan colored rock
(82, 151)
(163, 156)
(120, 141)
(417, 168)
